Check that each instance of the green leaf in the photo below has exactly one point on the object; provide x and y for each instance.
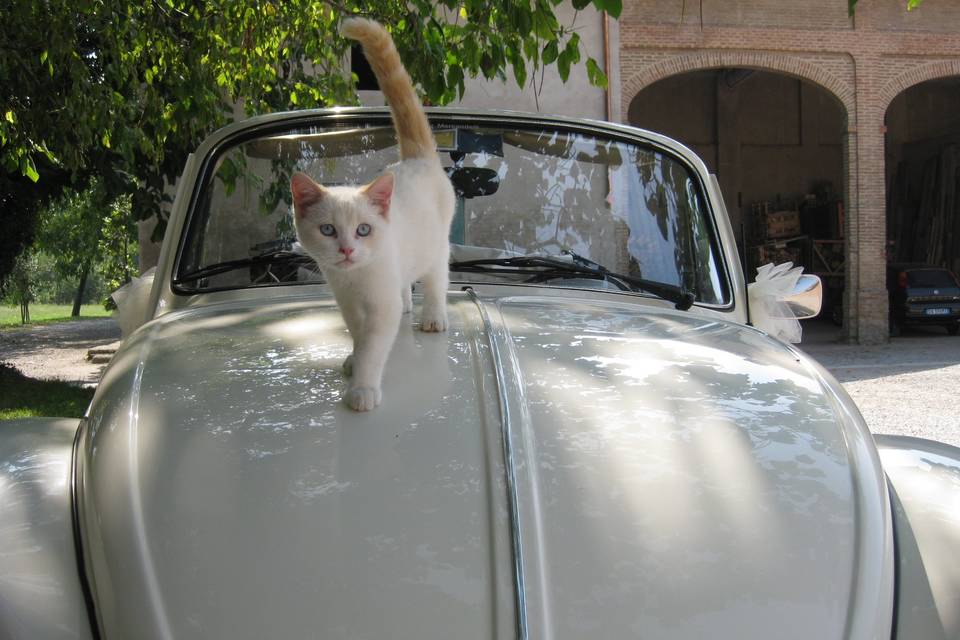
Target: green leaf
(29, 169)
(595, 74)
(520, 71)
(550, 52)
(43, 56)
(613, 7)
(523, 22)
(580, 5)
(10, 117)
(531, 51)
(563, 65)
(545, 24)
(105, 139)
(573, 48)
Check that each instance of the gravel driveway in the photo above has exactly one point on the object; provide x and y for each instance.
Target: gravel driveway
(907, 387)
(59, 351)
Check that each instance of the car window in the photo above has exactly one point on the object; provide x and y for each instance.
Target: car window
(631, 207)
(930, 278)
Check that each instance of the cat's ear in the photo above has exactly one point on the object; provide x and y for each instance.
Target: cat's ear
(379, 193)
(305, 192)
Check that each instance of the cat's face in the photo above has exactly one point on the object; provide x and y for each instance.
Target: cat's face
(342, 228)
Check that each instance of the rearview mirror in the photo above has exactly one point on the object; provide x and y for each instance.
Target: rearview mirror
(470, 182)
(806, 298)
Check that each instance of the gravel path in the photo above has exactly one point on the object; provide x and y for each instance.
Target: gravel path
(59, 351)
(907, 387)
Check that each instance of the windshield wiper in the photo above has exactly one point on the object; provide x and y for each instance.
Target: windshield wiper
(269, 257)
(550, 267)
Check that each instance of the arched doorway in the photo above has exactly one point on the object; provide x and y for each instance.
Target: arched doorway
(777, 145)
(922, 154)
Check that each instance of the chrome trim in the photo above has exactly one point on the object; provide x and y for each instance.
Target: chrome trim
(512, 498)
(806, 298)
(83, 572)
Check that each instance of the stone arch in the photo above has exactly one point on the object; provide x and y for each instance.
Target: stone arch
(911, 77)
(783, 63)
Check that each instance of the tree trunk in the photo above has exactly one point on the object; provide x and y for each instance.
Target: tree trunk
(80, 287)
(24, 312)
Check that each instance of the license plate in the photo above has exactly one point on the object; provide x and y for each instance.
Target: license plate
(937, 312)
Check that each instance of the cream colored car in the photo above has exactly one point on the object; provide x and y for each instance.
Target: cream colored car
(601, 446)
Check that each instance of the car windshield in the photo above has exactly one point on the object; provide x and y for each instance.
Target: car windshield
(522, 190)
(930, 278)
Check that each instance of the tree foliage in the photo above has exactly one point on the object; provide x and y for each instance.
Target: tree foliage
(70, 230)
(22, 284)
(124, 90)
(83, 233)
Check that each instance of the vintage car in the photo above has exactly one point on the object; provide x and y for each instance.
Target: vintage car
(600, 446)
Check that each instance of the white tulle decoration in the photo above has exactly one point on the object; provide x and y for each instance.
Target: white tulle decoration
(131, 300)
(768, 311)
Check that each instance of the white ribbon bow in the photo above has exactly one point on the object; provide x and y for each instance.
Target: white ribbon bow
(768, 311)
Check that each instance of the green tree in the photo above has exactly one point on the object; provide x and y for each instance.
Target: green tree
(81, 231)
(118, 245)
(125, 90)
(23, 283)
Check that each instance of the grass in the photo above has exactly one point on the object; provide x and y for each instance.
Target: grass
(23, 397)
(47, 313)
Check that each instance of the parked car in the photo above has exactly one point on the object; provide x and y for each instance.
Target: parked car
(922, 294)
(600, 446)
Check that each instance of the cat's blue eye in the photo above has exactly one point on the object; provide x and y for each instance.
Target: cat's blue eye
(363, 230)
(328, 230)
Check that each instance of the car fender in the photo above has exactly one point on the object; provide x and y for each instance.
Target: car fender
(41, 595)
(924, 478)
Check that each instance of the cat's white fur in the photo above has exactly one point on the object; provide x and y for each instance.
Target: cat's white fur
(408, 210)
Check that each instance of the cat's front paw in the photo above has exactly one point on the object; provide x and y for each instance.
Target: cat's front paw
(348, 366)
(433, 321)
(363, 398)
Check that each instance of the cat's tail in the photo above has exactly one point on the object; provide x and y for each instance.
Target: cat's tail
(413, 130)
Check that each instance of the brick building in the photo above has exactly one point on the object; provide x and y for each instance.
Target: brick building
(800, 104)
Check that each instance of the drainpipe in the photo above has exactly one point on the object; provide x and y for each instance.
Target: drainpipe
(606, 64)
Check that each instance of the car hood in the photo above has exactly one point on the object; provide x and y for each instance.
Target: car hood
(551, 467)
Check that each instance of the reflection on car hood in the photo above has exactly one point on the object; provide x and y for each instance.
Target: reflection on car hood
(676, 477)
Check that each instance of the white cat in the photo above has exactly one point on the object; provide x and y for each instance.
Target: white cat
(372, 242)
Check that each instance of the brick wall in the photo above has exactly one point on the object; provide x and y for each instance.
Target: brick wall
(938, 16)
(755, 13)
(864, 62)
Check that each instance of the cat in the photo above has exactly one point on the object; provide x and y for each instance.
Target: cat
(373, 241)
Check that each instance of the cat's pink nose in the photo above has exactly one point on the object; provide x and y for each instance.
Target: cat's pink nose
(346, 251)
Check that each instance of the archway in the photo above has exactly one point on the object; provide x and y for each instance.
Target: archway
(922, 158)
(777, 143)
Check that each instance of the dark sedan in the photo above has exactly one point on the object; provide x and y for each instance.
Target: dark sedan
(923, 295)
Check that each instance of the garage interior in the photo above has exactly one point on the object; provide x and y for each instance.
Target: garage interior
(923, 174)
(776, 144)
